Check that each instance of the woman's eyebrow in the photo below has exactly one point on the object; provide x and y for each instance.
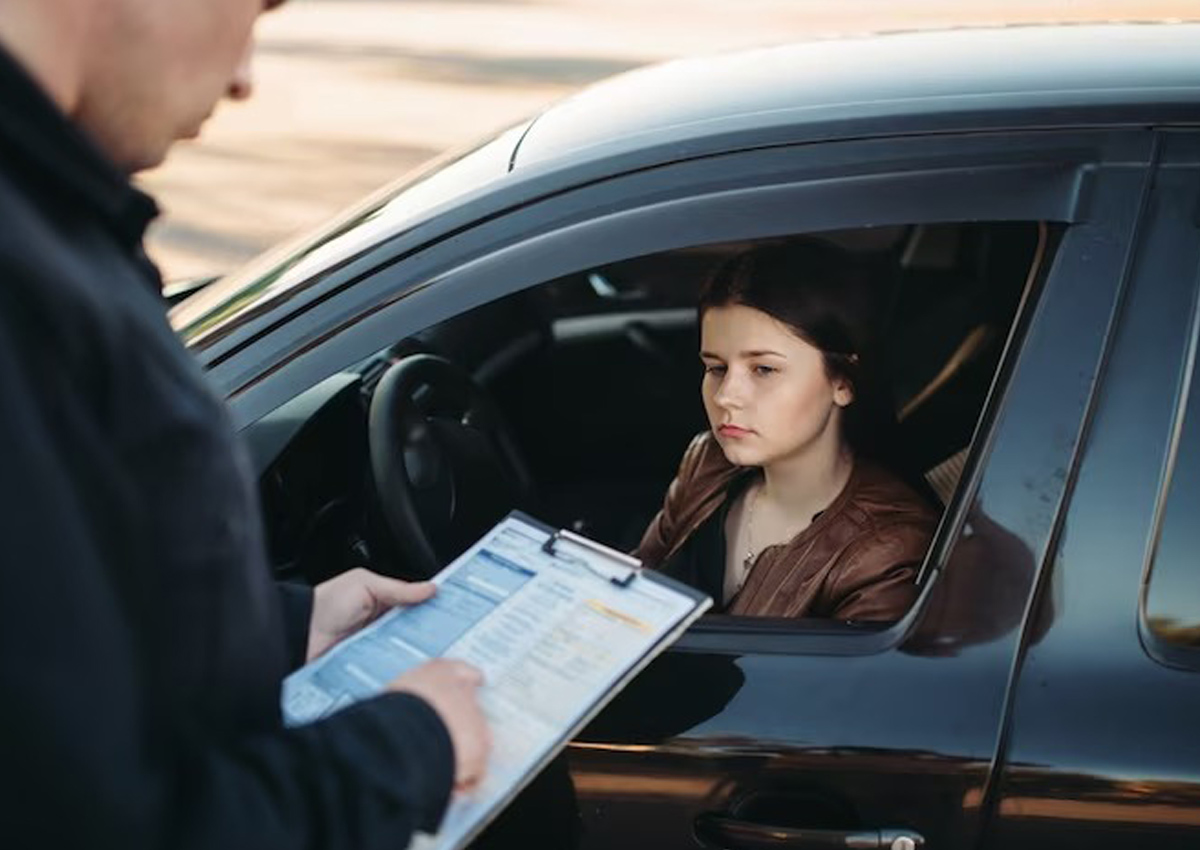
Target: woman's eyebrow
(758, 352)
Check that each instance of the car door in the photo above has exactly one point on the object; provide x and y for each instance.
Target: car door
(753, 733)
(1101, 749)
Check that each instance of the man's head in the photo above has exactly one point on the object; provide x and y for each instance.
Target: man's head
(136, 75)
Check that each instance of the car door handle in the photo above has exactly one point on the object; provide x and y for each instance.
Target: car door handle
(728, 833)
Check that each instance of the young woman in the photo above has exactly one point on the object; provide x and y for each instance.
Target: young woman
(787, 507)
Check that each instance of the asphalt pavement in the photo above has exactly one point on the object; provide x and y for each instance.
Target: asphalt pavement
(351, 94)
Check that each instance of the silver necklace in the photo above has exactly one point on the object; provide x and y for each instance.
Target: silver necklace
(748, 561)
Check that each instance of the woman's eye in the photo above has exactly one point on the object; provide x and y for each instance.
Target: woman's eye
(763, 371)
(714, 369)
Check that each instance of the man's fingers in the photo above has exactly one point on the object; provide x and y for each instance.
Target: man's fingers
(463, 671)
(469, 673)
(392, 592)
(450, 687)
(469, 784)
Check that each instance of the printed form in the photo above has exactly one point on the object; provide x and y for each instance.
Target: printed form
(554, 632)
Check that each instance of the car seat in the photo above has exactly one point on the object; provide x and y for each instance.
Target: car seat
(958, 293)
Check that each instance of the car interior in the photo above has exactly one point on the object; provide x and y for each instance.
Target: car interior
(573, 399)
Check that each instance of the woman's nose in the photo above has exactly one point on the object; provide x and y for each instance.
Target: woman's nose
(729, 392)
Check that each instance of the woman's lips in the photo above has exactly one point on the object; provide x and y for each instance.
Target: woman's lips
(734, 431)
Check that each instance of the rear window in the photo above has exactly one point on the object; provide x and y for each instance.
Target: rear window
(1172, 599)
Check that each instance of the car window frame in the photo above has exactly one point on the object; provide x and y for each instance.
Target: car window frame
(1038, 173)
(1032, 176)
(1159, 647)
(1184, 425)
(1183, 428)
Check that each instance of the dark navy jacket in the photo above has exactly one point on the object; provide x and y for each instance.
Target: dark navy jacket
(142, 640)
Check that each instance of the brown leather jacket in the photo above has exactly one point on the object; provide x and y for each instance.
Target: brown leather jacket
(857, 560)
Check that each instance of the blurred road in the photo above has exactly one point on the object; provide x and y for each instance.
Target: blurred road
(353, 93)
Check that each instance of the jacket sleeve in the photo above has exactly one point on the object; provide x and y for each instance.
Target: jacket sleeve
(79, 765)
(876, 578)
(661, 537)
(296, 602)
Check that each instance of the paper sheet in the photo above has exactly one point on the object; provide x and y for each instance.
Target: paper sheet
(551, 632)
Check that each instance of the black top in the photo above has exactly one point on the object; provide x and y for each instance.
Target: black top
(700, 561)
(141, 636)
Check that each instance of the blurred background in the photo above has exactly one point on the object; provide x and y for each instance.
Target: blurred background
(351, 94)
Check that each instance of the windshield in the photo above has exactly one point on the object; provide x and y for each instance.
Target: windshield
(282, 271)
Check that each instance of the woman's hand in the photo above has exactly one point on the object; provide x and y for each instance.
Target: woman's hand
(347, 602)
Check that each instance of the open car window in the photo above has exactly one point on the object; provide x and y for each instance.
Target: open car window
(623, 372)
(580, 329)
(597, 376)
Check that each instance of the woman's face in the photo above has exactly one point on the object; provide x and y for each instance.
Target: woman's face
(766, 391)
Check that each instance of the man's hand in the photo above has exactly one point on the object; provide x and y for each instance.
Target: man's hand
(451, 688)
(347, 602)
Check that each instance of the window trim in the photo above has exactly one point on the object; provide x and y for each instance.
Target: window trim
(415, 291)
(1021, 192)
(1161, 649)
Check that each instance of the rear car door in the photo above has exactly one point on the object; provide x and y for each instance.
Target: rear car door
(1101, 749)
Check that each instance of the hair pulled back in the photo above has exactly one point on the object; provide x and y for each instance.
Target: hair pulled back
(819, 292)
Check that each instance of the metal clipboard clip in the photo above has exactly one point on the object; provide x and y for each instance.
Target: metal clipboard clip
(621, 575)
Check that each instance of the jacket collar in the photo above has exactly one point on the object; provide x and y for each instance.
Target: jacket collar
(47, 149)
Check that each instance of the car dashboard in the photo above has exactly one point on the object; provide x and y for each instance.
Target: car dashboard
(311, 460)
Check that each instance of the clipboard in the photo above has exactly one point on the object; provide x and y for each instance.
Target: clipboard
(559, 624)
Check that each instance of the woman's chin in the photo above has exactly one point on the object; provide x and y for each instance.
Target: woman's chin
(739, 455)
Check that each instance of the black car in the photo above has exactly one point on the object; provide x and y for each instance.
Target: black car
(515, 327)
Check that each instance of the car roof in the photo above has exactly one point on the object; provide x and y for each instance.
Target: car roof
(850, 81)
(1030, 76)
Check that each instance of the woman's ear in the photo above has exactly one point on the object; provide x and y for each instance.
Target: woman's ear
(843, 392)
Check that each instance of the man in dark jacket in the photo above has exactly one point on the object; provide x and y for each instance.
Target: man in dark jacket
(142, 640)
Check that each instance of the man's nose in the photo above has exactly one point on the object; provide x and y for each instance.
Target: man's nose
(241, 85)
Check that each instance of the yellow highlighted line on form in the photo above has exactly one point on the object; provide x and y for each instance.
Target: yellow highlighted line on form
(601, 608)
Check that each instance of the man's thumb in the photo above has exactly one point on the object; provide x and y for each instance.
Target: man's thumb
(394, 592)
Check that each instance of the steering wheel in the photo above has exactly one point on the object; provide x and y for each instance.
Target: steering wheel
(445, 466)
